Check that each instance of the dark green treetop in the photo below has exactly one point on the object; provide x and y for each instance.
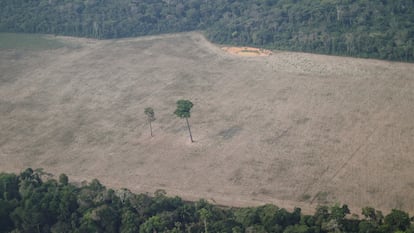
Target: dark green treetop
(183, 111)
(150, 114)
(183, 108)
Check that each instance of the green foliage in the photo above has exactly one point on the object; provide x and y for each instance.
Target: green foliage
(397, 220)
(246, 216)
(379, 29)
(297, 229)
(183, 108)
(129, 221)
(9, 186)
(6, 207)
(63, 179)
(372, 215)
(32, 204)
(153, 224)
(149, 112)
(183, 111)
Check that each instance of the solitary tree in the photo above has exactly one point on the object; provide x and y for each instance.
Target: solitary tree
(150, 116)
(183, 111)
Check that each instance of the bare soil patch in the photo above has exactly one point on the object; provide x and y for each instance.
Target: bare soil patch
(292, 129)
(247, 51)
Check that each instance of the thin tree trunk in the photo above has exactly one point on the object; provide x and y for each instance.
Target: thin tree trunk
(150, 128)
(205, 225)
(189, 130)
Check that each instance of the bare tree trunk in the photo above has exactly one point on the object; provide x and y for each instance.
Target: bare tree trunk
(189, 130)
(150, 128)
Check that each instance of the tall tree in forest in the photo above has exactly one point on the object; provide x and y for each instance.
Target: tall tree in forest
(204, 215)
(183, 111)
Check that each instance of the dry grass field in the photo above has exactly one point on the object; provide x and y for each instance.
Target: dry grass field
(292, 129)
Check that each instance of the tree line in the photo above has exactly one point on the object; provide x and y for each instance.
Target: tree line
(366, 28)
(33, 201)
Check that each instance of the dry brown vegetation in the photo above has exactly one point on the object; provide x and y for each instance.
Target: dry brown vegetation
(293, 129)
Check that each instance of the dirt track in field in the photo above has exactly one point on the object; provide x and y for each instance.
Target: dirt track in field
(292, 129)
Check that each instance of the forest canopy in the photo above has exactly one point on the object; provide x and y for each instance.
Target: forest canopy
(33, 201)
(365, 28)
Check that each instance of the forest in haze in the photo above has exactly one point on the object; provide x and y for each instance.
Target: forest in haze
(33, 201)
(371, 29)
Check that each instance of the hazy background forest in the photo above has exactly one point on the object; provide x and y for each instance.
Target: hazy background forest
(376, 29)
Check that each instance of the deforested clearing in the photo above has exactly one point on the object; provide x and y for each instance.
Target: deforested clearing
(293, 129)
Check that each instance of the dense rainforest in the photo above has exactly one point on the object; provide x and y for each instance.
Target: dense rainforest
(33, 201)
(365, 28)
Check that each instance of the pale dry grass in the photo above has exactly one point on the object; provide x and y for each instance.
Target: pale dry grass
(292, 129)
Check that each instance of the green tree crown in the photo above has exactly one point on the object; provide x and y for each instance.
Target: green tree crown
(183, 108)
(150, 113)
